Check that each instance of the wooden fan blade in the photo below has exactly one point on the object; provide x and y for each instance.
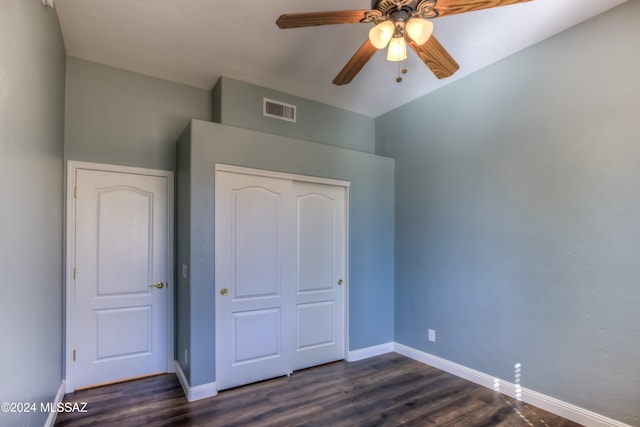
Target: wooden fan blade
(452, 7)
(435, 57)
(297, 20)
(355, 64)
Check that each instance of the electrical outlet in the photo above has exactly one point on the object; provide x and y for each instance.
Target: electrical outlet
(431, 335)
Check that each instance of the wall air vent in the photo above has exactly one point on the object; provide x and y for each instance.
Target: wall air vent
(278, 110)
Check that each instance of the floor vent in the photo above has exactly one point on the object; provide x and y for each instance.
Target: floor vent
(278, 110)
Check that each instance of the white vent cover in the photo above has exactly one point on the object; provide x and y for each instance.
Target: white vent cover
(278, 110)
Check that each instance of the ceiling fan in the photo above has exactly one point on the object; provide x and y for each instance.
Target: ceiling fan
(398, 23)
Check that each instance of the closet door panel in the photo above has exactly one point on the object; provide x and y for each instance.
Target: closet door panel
(280, 276)
(254, 302)
(320, 273)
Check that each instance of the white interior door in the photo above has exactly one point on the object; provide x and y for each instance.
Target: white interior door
(320, 273)
(254, 305)
(280, 274)
(119, 325)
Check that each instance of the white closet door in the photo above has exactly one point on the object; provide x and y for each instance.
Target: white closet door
(280, 276)
(320, 273)
(254, 304)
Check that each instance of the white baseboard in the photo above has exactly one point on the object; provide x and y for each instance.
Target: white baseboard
(51, 419)
(548, 403)
(365, 353)
(198, 392)
(451, 367)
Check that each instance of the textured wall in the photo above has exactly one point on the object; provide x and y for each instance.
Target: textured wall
(123, 118)
(239, 104)
(517, 207)
(32, 66)
(370, 238)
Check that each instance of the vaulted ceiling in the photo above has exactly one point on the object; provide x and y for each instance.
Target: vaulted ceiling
(196, 41)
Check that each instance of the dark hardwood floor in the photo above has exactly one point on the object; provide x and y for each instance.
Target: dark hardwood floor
(387, 390)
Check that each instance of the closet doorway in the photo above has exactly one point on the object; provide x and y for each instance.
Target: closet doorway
(281, 273)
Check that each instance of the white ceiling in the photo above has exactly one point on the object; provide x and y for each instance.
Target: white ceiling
(196, 41)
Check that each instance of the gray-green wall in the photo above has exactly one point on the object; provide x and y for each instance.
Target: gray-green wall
(516, 221)
(518, 217)
(32, 66)
(370, 239)
(119, 117)
(239, 104)
(183, 252)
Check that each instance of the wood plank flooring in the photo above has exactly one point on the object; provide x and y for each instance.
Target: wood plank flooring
(387, 390)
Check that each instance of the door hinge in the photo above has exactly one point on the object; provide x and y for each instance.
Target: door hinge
(75, 192)
(74, 274)
(74, 355)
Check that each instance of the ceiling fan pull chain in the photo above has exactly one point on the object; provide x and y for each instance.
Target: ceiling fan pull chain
(403, 71)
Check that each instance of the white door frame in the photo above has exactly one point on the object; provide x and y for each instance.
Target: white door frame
(72, 167)
(219, 167)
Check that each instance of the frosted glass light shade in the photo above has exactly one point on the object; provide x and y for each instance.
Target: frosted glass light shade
(380, 35)
(419, 30)
(397, 49)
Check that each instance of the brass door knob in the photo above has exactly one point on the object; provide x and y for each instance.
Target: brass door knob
(224, 291)
(158, 285)
(340, 282)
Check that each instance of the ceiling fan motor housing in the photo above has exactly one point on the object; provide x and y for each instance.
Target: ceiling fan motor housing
(400, 15)
(425, 8)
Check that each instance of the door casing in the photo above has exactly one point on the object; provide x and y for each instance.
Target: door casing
(72, 168)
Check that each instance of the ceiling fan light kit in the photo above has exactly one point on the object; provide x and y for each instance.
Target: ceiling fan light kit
(419, 30)
(392, 32)
(398, 23)
(381, 34)
(397, 49)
